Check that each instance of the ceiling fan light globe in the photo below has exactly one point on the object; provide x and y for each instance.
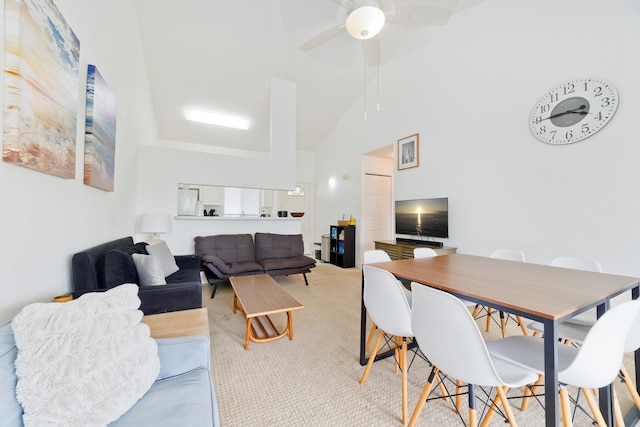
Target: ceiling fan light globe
(365, 22)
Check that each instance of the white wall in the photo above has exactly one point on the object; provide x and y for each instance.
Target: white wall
(469, 92)
(337, 157)
(162, 167)
(45, 219)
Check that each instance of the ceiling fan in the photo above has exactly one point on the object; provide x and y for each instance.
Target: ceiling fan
(365, 19)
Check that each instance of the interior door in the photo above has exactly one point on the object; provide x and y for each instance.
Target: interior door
(376, 214)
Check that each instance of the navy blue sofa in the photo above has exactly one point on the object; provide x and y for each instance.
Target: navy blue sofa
(110, 264)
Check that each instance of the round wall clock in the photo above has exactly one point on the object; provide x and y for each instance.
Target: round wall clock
(573, 111)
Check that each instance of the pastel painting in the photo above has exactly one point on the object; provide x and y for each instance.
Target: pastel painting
(100, 132)
(40, 88)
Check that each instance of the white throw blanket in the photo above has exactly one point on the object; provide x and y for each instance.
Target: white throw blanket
(84, 362)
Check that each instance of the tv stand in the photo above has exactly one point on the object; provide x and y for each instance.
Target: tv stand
(419, 242)
(398, 249)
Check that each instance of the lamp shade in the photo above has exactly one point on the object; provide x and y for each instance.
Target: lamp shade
(365, 22)
(155, 223)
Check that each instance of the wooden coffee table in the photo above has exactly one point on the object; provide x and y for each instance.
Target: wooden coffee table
(259, 296)
(178, 323)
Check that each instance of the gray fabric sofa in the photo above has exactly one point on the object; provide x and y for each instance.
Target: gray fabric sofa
(110, 264)
(227, 255)
(182, 394)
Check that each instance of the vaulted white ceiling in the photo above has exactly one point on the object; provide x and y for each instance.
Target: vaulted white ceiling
(220, 56)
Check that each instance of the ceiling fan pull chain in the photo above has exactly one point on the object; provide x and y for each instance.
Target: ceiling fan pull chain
(378, 76)
(365, 88)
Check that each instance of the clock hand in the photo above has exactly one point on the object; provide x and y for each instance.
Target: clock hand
(574, 111)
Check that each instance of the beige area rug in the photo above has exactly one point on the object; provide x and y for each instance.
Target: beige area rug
(313, 380)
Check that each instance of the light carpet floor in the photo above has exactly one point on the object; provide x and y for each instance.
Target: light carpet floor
(313, 379)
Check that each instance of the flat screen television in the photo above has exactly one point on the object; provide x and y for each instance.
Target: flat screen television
(422, 218)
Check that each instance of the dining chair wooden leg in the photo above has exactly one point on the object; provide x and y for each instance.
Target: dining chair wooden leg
(528, 392)
(617, 412)
(398, 341)
(372, 357)
(476, 310)
(443, 390)
(488, 326)
(502, 392)
(630, 386)
(593, 405)
(522, 326)
(370, 337)
(403, 367)
(495, 404)
(500, 399)
(503, 324)
(458, 395)
(565, 407)
(423, 396)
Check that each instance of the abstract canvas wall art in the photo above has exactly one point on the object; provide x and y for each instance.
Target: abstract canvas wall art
(40, 88)
(100, 132)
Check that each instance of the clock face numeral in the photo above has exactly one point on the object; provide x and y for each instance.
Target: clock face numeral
(573, 111)
(568, 89)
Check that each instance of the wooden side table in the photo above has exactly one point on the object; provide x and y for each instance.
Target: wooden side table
(178, 323)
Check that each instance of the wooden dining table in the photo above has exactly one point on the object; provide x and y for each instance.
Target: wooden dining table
(547, 294)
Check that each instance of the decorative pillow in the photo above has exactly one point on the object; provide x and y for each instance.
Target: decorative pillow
(116, 266)
(83, 362)
(149, 270)
(161, 250)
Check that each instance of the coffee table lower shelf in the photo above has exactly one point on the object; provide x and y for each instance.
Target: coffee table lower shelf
(258, 297)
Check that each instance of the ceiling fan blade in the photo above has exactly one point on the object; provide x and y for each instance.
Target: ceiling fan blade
(371, 50)
(416, 14)
(322, 38)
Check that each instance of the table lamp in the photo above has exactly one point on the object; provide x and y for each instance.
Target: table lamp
(155, 224)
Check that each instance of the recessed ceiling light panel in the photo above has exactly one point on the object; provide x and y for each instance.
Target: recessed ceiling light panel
(216, 119)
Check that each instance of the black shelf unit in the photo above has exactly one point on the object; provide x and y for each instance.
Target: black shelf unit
(342, 245)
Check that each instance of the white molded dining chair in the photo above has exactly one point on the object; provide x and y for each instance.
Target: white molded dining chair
(510, 255)
(390, 311)
(371, 257)
(588, 317)
(424, 253)
(464, 357)
(577, 263)
(595, 364)
(429, 253)
(577, 333)
(375, 255)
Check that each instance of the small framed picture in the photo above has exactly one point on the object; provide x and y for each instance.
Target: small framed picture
(408, 156)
